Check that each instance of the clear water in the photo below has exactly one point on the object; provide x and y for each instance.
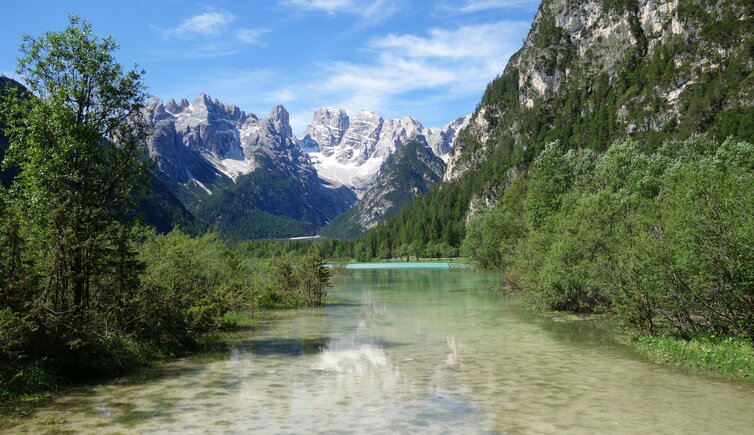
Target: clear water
(409, 351)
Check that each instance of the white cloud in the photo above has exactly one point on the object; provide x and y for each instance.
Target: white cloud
(456, 61)
(371, 10)
(205, 36)
(407, 73)
(195, 51)
(472, 42)
(470, 6)
(250, 36)
(211, 23)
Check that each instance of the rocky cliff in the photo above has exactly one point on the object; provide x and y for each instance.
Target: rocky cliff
(243, 174)
(646, 68)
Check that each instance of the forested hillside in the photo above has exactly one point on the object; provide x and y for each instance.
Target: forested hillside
(610, 168)
(591, 73)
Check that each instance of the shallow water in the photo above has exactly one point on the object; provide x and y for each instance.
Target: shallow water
(410, 351)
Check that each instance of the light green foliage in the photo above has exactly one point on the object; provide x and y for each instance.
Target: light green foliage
(69, 261)
(190, 283)
(491, 234)
(75, 183)
(594, 106)
(665, 238)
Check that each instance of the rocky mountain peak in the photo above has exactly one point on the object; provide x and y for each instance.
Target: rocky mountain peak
(441, 140)
(280, 119)
(325, 131)
(175, 108)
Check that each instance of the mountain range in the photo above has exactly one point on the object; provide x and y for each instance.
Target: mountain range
(250, 177)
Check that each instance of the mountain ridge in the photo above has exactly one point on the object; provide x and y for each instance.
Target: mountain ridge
(207, 151)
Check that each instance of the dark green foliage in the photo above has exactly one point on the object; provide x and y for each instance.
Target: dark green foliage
(270, 203)
(240, 222)
(84, 291)
(69, 256)
(8, 87)
(164, 212)
(345, 225)
(438, 218)
(596, 108)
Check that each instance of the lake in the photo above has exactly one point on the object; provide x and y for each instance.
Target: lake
(427, 350)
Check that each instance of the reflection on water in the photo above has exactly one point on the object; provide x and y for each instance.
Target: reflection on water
(409, 352)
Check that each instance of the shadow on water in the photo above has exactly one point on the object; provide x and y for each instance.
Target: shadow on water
(291, 347)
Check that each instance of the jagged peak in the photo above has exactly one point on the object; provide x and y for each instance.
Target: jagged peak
(333, 111)
(171, 106)
(202, 100)
(154, 102)
(280, 113)
(366, 112)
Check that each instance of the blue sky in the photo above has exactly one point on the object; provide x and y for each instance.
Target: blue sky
(429, 60)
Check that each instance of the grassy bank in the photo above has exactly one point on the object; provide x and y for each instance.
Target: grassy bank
(722, 356)
(726, 356)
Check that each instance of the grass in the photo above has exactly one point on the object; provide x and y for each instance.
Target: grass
(728, 356)
(723, 356)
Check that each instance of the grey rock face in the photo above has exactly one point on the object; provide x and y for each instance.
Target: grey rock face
(209, 126)
(207, 141)
(352, 151)
(441, 140)
(589, 38)
(410, 172)
(325, 131)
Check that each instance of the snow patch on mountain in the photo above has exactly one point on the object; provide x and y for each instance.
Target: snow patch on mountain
(352, 152)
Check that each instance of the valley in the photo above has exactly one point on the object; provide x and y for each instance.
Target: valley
(574, 255)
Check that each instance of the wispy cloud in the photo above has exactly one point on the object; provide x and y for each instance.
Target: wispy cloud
(482, 41)
(211, 23)
(470, 6)
(205, 36)
(394, 74)
(250, 36)
(410, 74)
(463, 60)
(281, 96)
(372, 10)
(210, 50)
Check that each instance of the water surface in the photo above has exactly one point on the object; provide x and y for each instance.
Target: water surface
(409, 351)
